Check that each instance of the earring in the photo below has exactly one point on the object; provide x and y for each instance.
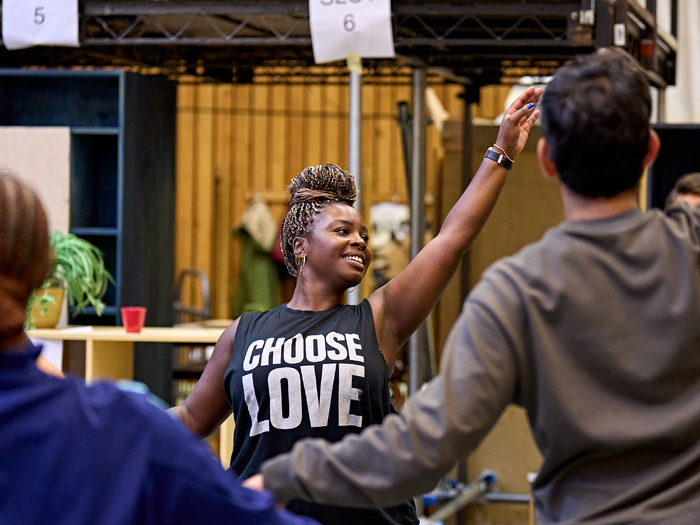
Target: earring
(300, 261)
(351, 289)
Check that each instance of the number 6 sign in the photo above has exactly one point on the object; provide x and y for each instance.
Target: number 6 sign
(27, 23)
(341, 27)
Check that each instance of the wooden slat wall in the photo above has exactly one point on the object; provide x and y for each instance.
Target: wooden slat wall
(491, 101)
(234, 140)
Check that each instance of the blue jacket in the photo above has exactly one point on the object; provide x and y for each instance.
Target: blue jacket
(71, 454)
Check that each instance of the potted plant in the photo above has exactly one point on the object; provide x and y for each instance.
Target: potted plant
(78, 271)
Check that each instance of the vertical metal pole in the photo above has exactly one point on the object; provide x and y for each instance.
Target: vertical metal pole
(651, 6)
(661, 105)
(470, 96)
(417, 344)
(674, 18)
(355, 156)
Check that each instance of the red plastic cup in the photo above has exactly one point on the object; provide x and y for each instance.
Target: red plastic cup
(133, 318)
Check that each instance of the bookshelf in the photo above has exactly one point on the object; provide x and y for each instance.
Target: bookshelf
(122, 184)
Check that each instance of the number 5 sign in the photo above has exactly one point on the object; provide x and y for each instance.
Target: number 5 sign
(27, 23)
(341, 27)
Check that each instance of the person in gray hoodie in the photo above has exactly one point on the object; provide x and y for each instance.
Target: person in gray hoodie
(593, 330)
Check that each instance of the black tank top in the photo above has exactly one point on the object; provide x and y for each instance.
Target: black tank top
(295, 374)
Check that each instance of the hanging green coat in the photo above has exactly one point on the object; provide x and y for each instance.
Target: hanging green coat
(258, 281)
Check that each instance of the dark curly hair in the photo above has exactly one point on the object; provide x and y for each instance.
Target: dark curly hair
(309, 191)
(595, 118)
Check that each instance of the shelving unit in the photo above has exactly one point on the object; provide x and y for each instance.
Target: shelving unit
(122, 184)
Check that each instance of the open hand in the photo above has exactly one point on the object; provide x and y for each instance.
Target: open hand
(518, 121)
(255, 483)
(48, 368)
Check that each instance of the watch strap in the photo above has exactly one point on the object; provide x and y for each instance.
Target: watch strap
(498, 158)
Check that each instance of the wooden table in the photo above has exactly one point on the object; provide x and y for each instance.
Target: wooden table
(109, 353)
(109, 350)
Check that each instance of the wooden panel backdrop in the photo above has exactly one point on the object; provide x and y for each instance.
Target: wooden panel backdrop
(236, 140)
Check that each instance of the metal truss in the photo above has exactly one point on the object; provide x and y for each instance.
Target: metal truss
(196, 23)
(232, 40)
(243, 24)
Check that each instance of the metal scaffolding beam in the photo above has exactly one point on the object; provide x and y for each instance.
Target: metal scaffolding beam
(470, 39)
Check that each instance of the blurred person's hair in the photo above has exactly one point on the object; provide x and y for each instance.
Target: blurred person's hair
(688, 184)
(24, 251)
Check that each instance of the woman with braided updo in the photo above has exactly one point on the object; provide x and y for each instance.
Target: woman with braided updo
(315, 367)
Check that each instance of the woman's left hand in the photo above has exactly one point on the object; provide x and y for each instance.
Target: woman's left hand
(518, 121)
(48, 368)
(255, 483)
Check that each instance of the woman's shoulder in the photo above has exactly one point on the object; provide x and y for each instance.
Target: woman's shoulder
(283, 315)
(261, 314)
(253, 320)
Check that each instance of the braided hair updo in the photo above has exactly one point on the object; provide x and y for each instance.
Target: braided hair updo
(309, 191)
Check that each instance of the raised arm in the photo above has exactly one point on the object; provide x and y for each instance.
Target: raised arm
(404, 302)
(206, 406)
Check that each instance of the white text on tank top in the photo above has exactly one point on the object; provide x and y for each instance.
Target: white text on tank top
(315, 348)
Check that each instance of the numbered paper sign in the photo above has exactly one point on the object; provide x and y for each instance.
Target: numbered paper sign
(27, 23)
(341, 27)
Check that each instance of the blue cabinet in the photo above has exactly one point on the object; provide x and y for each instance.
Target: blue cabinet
(122, 183)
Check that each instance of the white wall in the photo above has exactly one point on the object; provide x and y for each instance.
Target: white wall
(683, 99)
(41, 158)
